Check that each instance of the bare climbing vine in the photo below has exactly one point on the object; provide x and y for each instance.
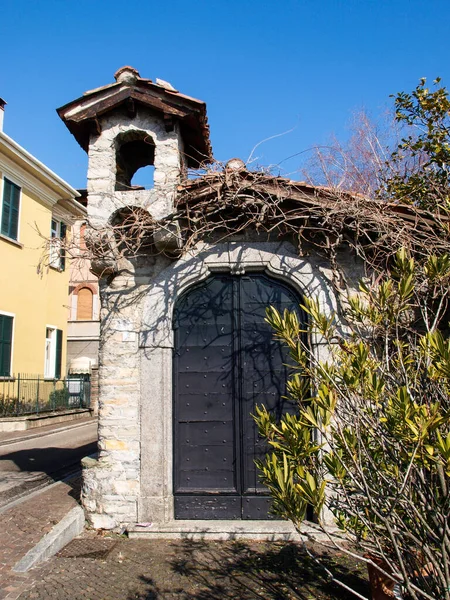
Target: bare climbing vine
(231, 203)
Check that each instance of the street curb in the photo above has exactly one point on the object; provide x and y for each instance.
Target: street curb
(30, 422)
(59, 536)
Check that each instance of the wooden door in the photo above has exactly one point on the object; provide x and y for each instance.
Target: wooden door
(225, 362)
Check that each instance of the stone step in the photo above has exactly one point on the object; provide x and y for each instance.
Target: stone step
(222, 530)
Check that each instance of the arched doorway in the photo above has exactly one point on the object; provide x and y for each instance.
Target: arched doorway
(225, 362)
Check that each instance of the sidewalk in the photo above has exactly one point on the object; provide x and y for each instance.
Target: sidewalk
(25, 522)
(23, 525)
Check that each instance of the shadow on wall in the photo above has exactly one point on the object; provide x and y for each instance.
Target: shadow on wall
(167, 280)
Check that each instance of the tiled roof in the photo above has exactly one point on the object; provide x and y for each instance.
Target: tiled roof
(130, 90)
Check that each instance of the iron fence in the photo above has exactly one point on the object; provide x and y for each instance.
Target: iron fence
(34, 394)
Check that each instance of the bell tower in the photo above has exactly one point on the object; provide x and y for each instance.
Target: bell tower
(130, 124)
(125, 126)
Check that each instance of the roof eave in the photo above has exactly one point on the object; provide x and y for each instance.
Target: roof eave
(37, 168)
(79, 114)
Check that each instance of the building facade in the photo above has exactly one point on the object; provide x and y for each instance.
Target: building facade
(185, 353)
(37, 210)
(84, 305)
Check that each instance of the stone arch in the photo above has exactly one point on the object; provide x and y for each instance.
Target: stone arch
(130, 213)
(132, 227)
(280, 261)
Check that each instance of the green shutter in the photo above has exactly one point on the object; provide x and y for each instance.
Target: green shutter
(58, 356)
(6, 324)
(10, 209)
(6, 208)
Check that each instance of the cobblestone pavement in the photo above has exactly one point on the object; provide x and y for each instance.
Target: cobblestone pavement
(93, 567)
(21, 528)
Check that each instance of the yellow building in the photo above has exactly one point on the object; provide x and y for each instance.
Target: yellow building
(35, 206)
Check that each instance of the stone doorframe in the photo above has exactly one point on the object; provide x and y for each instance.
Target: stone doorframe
(309, 276)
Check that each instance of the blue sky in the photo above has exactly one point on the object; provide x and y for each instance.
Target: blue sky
(262, 67)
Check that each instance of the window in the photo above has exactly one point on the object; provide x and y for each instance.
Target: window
(53, 353)
(57, 249)
(10, 209)
(84, 305)
(6, 331)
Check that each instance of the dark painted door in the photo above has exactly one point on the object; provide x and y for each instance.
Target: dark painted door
(226, 362)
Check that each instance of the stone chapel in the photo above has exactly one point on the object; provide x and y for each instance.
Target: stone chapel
(185, 353)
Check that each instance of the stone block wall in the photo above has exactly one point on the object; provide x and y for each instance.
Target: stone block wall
(110, 487)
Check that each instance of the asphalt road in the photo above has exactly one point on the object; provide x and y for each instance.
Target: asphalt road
(32, 462)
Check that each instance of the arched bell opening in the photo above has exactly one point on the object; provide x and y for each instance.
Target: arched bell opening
(135, 157)
(226, 361)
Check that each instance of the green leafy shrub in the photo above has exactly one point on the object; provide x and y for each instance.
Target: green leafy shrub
(371, 440)
(59, 398)
(8, 406)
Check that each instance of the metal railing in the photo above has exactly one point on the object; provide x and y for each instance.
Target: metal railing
(34, 394)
